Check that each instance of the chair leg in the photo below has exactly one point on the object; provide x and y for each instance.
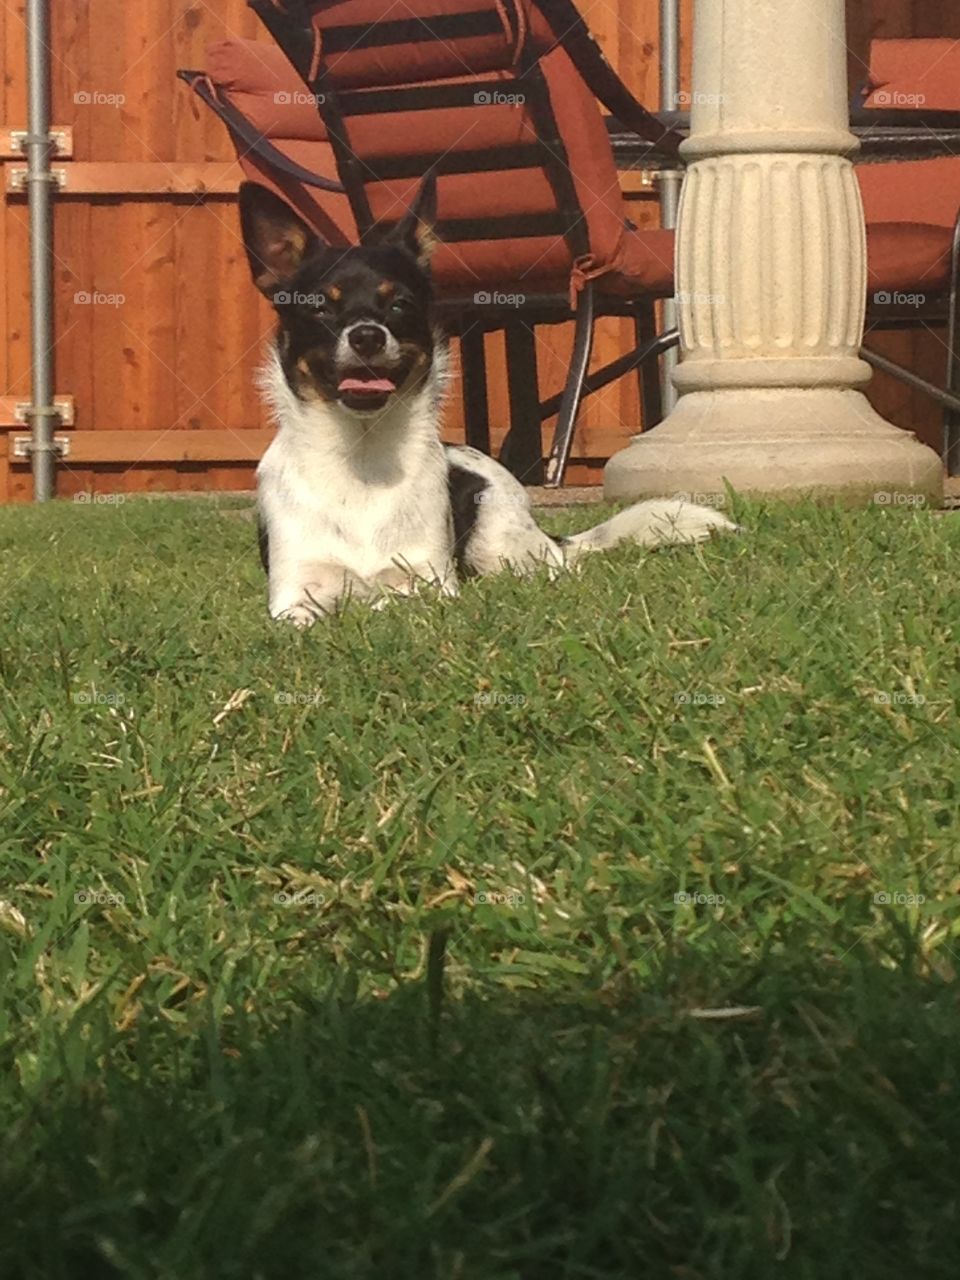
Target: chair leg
(648, 374)
(476, 411)
(947, 399)
(951, 419)
(573, 391)
(522, 451)
(618, 368)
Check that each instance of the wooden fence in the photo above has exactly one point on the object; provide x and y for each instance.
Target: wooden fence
(158, 330)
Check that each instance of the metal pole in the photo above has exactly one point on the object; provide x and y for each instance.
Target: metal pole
(669, 181)
(38, 146)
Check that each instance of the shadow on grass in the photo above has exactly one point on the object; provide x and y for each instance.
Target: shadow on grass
(611, 1135)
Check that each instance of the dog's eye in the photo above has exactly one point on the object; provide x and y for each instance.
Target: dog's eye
(313, 304)
(400, 307)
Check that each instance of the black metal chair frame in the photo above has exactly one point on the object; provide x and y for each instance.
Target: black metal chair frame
(522, 450)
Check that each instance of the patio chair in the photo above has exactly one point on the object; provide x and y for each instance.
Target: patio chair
(502, 101)
(912, 211)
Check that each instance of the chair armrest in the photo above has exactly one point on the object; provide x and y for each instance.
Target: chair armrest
(253, 140)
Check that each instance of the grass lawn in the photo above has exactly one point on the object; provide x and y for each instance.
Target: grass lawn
(395, 949)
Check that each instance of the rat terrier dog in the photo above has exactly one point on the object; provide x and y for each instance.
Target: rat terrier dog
(357, 495)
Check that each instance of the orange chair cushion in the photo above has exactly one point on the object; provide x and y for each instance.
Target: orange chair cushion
(257, 79)
(478, 126)
(646, 265)
(925, 191)
(365, 43)
(260, 82)
(908, 257)
(910, 210)
(915, 74)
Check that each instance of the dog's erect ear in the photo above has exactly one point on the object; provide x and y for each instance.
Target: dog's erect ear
(276, 239)
(417, 229)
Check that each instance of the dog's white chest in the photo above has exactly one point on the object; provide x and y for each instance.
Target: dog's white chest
(361, 504)
(333, 513)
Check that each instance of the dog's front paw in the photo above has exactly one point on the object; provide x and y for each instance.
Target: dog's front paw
(300, 615)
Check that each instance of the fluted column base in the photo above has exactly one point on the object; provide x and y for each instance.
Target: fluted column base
(771, 279)
(827, 443)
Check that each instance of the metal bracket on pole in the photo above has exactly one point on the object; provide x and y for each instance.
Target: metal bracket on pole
(19, 178)
(58, 139)
(26, 446)
(24, 411)
(39, 443)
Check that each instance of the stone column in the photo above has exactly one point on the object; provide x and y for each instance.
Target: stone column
(771, 278)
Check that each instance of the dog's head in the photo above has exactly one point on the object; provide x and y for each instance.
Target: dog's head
(355, 326)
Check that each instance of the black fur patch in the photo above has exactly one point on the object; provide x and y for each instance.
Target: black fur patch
(264, 544)
(466, 493)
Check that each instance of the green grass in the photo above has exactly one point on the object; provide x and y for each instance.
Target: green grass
(256, 1022)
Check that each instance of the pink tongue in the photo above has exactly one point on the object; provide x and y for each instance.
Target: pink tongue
(371, 386)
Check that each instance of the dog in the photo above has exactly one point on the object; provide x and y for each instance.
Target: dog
(357, 496)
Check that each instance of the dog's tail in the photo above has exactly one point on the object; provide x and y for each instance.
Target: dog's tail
(656, 523)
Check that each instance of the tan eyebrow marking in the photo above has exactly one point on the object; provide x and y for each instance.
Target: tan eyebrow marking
(386, 289)
(335, 292)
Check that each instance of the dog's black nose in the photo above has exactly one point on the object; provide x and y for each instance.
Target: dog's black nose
(367, 339)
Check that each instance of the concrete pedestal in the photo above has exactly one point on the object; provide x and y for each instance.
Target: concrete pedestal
(771, 278)
(826, 444)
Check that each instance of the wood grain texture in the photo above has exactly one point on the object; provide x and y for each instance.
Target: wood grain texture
(165, 444)
(137, 178)
(8, 410)
(15, 481)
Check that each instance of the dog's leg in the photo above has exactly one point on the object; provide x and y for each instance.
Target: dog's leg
(303, 592)
(404, 580)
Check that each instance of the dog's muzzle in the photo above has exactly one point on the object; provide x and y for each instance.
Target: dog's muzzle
(369, 344)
